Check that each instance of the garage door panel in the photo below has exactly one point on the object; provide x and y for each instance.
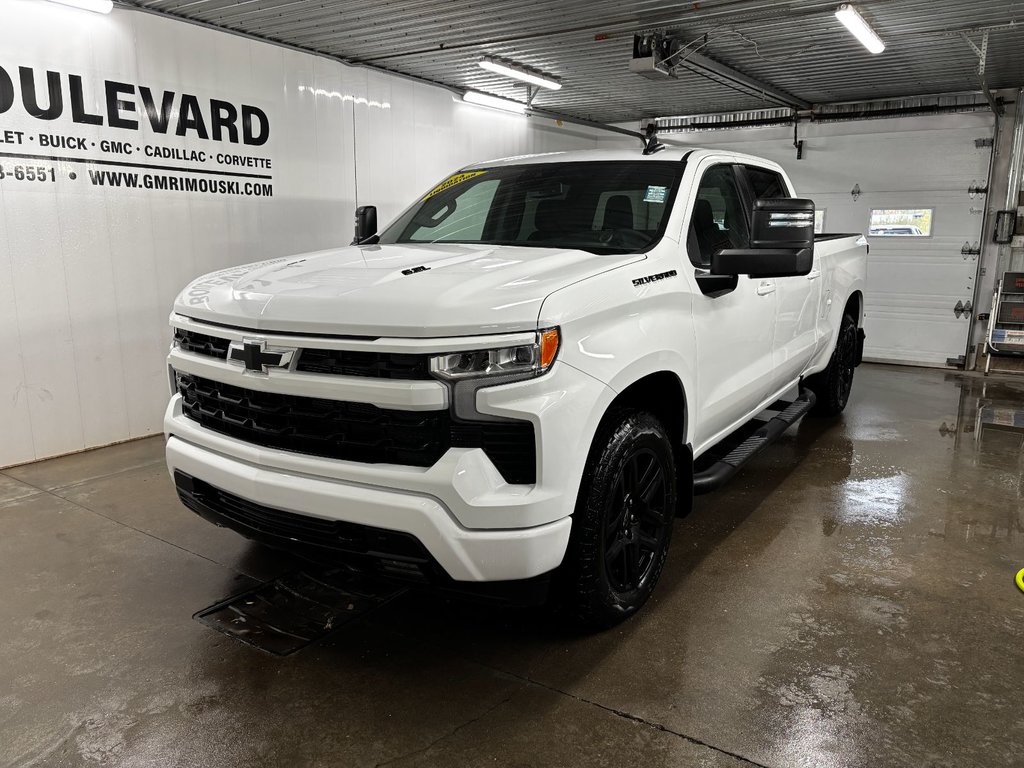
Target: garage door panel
(926, 153)
(909, 335)
(913, 283)
(929, 282)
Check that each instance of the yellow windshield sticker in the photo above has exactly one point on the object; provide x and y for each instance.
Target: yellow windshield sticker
(451, 181)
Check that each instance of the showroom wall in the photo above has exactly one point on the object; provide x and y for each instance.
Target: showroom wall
(140, 152)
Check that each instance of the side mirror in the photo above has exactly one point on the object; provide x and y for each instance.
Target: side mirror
(366, 225)
(783, 223)
(781, 239)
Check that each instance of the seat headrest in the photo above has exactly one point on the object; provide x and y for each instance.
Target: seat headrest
(704, 214)
(548, 216)
(618, 212)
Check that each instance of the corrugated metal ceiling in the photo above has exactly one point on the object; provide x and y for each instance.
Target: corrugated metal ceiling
(796, 46)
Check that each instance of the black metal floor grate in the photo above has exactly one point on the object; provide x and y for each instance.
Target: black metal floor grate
(292, 611)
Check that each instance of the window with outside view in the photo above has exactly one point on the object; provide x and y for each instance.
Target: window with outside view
(900, 222)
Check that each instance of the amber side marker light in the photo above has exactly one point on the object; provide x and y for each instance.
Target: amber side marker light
(549, 343)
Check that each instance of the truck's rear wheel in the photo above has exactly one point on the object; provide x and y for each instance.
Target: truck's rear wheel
(832, 386)
(623, 521)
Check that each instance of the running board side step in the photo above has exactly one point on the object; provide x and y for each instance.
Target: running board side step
(722, 470)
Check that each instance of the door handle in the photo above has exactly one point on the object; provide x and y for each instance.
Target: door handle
(765, 287)
(814, 275)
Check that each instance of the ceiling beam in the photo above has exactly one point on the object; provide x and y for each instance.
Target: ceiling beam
(723, 73)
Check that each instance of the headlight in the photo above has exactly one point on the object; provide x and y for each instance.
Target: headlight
(525, 360)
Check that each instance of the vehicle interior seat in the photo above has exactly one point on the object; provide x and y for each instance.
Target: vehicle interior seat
(549, 220)
(709, 237)
(618, 213)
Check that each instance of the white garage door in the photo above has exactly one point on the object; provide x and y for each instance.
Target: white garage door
(914, 283)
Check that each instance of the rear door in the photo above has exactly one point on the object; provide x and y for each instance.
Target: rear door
(795, 336)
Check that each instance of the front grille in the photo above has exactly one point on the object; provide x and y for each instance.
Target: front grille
(257, 520)
(338, 430)
(378, 365)
(335, 362)
(354, 431)
(201, 344)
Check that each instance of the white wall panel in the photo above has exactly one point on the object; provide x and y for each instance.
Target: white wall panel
(50, 378)
(88, 273)
(16, 436)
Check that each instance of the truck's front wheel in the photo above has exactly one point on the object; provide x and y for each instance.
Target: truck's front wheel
(623, 520)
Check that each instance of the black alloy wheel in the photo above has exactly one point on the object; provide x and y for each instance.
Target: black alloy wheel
(833, 385)
(637, 521)
(846, 353)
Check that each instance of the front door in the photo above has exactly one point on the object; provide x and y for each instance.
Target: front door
(734, 330)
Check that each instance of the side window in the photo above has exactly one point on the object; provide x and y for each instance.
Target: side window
(766, 184)
(459, 218)
(718, 220)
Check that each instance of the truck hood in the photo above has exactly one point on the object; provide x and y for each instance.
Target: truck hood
(363, 290)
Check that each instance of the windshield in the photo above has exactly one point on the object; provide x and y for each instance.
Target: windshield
(601, 207)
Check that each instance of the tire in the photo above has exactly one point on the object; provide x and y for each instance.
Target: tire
(832, 386)
(623, 521)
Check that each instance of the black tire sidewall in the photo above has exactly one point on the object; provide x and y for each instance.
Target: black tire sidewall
(837, 372)
(597, 603)
(827, 385)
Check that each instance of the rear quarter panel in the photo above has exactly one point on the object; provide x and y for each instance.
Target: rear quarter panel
(844, 270)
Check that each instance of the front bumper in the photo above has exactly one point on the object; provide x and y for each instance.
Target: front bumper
(464, 555)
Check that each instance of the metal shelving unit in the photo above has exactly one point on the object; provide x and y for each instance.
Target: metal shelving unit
(1006, 323)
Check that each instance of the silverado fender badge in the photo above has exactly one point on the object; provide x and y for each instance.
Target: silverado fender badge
(257, 357)
(653, 278)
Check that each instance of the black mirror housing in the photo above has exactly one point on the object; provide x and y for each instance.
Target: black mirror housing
(763, 262)
(785, 222)
(781, 240)
(366, 225)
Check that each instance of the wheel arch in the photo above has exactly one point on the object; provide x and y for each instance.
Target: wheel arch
(855, 307)
(662, 394)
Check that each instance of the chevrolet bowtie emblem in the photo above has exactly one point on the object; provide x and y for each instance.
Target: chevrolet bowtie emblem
(257, 357)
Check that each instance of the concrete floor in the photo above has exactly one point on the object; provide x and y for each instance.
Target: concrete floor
(847, 601)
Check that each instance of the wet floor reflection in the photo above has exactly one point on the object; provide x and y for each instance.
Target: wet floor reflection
(988, 438)
(899, 637)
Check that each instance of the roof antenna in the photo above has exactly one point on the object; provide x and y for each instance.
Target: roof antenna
(650, 140)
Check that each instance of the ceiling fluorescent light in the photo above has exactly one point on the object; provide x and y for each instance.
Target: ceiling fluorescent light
(859, 28)
(519, 73)
(99, 6)
(486, 100)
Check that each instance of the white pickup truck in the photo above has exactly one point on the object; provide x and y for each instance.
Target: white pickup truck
(513, 389)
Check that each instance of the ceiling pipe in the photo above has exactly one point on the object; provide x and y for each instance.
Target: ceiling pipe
(733, 78)
(552, 115)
